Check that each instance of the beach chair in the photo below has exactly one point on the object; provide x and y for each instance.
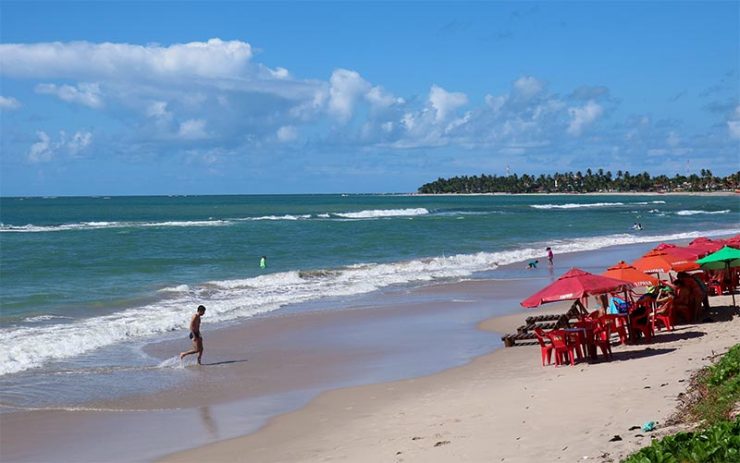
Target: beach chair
(545, 347)
(564, 350)
(640, 324)
(602, 335)
(663, 316)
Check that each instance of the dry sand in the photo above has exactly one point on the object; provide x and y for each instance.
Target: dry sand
(501, 407)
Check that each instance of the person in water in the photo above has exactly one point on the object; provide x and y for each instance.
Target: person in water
(263, 262)
(532, 264)
(549, 255)
(195, 335)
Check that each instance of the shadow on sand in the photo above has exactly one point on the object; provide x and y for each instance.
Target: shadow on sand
(224, 362)
(638, 354)
(675, 335)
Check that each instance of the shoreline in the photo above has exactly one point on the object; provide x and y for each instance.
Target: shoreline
(187, 408)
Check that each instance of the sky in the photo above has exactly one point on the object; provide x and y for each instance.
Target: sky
(139, 98)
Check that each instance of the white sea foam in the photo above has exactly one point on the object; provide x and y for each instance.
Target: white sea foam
(574, 205)
(45, 318)
(175, 289)
(379, 213)
(30, 228)
(690, 212)
(591, 205)
(281, 217)
(25, 347)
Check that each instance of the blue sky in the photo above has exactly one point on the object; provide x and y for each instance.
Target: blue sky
(237, 97)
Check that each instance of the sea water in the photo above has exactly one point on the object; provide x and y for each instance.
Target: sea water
(86, 281)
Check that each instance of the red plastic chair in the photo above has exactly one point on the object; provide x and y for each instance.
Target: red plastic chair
(564, 351)
(640, 324)
(663, 315)
(618, 325)
(545, 348)
(602, 336)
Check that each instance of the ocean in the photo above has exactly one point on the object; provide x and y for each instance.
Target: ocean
(87, 281)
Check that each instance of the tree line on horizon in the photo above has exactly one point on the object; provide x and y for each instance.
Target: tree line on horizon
(577, 182)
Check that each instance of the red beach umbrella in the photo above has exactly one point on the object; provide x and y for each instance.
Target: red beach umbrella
(733, 242)
(659, 261)
(705, 245)
(575, 284)
(684, 253)
(626, 272)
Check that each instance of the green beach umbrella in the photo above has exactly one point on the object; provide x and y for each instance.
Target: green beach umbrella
(723, 259)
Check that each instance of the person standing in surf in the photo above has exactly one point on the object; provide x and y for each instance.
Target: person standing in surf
(549, 255)
(195, 335)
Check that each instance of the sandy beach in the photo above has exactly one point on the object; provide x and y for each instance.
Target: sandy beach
(501, 407)
(389, 379)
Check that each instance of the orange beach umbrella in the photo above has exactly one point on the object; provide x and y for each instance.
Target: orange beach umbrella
(626, 272)
(660, 261)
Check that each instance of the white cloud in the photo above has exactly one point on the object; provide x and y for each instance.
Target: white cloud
(42, 150)
(287, 133)
(9, 103)
(86, 94)
(79, 142)
(345, 88)
(582, 117)
(193, 129)
(733, 125)
(528, 86)
(47, 149)
(158, 110)
(444, 102)
(215, 58)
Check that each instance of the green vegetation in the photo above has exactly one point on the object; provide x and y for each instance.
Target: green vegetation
(717, 444)
(577, 182)
(718, 440)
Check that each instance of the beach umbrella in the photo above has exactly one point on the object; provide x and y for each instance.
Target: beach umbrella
(626, 272)
(575, 284)
(733, 242)
(685, 253)
(705, 245)
(725, 258)
(660, 261)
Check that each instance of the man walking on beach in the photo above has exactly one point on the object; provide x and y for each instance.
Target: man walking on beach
(195, 334)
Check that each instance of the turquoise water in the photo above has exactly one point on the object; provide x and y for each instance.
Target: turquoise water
(81, 275)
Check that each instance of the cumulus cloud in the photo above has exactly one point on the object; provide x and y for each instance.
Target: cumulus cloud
(42, 150)
(46, 149)
(79, 142)
(528, 86)
(9, 103)
(582, 117)
(86, 94)
(346, 87)
(444, 102)
(192, 129)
